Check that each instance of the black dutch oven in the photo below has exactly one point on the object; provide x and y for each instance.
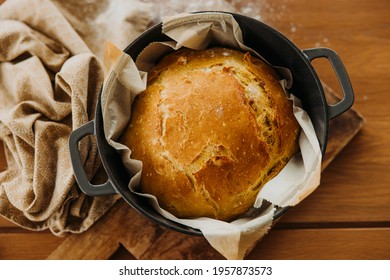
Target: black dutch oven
(277, 50)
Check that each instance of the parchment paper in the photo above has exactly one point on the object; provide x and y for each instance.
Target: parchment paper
(126, 79)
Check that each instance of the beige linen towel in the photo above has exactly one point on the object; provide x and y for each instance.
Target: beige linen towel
(49, 81)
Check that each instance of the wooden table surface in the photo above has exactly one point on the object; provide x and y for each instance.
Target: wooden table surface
(348, 216)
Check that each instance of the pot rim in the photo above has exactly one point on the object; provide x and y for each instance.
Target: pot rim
(117, 179)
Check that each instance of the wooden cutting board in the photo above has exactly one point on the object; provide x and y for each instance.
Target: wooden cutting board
(124, 233)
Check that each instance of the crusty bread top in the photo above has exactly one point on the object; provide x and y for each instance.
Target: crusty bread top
(211, 128)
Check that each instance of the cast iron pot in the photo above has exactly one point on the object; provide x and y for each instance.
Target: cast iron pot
(276, 49)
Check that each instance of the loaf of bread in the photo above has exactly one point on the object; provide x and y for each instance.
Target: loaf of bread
(211, 128)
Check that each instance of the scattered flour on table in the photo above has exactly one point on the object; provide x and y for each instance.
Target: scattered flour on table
(121, 21)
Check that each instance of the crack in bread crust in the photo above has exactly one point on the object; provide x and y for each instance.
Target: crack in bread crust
(210, 154)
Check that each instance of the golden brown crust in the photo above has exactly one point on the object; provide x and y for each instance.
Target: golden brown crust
(211, 128)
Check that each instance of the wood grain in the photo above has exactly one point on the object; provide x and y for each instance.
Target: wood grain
(326, 244)
(22, 246)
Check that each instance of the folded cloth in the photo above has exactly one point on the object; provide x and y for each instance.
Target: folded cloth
(49, 83)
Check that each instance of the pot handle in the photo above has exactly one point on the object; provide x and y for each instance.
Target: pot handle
(341, 73)
(78, 168)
